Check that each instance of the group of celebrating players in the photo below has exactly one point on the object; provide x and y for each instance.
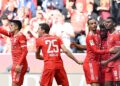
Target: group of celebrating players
(102, 49)
(99, 67)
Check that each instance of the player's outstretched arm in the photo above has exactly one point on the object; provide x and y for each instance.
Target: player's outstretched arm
(79, 46)
(113, 58)
(115, 49)
(69, 54)
(37, 54)
(4, 32)
(24, 51)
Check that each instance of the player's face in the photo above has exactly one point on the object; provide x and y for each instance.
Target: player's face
(93, 24)
(13, 27)
(109, 24)
(103, 33)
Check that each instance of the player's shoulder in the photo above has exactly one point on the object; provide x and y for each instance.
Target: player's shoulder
(117, 32)
(21, 35)
(51, 37)
(90, 34)
(114, 34)
(39, 38)
(56, 37)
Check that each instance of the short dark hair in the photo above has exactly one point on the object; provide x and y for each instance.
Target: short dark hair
(90, 20)
(112, 18)
(18, 23)
(101, 25)
(45, 26)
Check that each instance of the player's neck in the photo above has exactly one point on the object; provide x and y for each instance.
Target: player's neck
(16, 32)
(94, 31)
(112, 30)
(45, 34)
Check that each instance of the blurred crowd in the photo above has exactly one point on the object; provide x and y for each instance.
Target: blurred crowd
(67, 19)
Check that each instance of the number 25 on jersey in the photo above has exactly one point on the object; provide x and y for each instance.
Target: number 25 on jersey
(52, 47)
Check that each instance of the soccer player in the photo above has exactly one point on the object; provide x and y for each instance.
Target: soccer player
(91, 63)
(53, 64)
(112, 41)
(19, 52)
(106, 78)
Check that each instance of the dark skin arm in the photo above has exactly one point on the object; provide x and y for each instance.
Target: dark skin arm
(115, 57)
(116, 50)
(79, 46)
(37, 54)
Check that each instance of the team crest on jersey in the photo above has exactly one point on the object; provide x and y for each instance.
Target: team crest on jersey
(91, 42)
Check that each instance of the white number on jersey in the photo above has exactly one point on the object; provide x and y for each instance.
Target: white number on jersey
(52, 47)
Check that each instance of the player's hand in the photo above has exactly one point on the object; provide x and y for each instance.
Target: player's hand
(73, 44)
(104, 63)
(117, 48)
(80, 62)
(114, 49)
(18, 68)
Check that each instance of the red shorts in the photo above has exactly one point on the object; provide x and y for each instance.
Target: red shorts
(92, 71)
(107, 74)
(59, 74)
(18, 77)
(116, 73)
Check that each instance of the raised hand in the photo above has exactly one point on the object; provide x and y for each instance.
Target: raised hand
(18, 68)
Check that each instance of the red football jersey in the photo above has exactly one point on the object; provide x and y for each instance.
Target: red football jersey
(91, 64)
(50, 46)
(19, 47)
(103, 47)
(113, 40)
(93, 43)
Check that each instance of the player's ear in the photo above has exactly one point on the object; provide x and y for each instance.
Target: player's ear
(16, 27)
(43, 30)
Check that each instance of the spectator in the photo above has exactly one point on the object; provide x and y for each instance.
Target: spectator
(11, 9)
(5, 24)
(95, 11)
(29, 4)
(79, 45)
(62, 29)
(35, 21)
(58, 4)
(116, 10)
(2, 44)
(90, 8)
(78, 17)
(20, 14)
(2, 5)
(104, 9)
